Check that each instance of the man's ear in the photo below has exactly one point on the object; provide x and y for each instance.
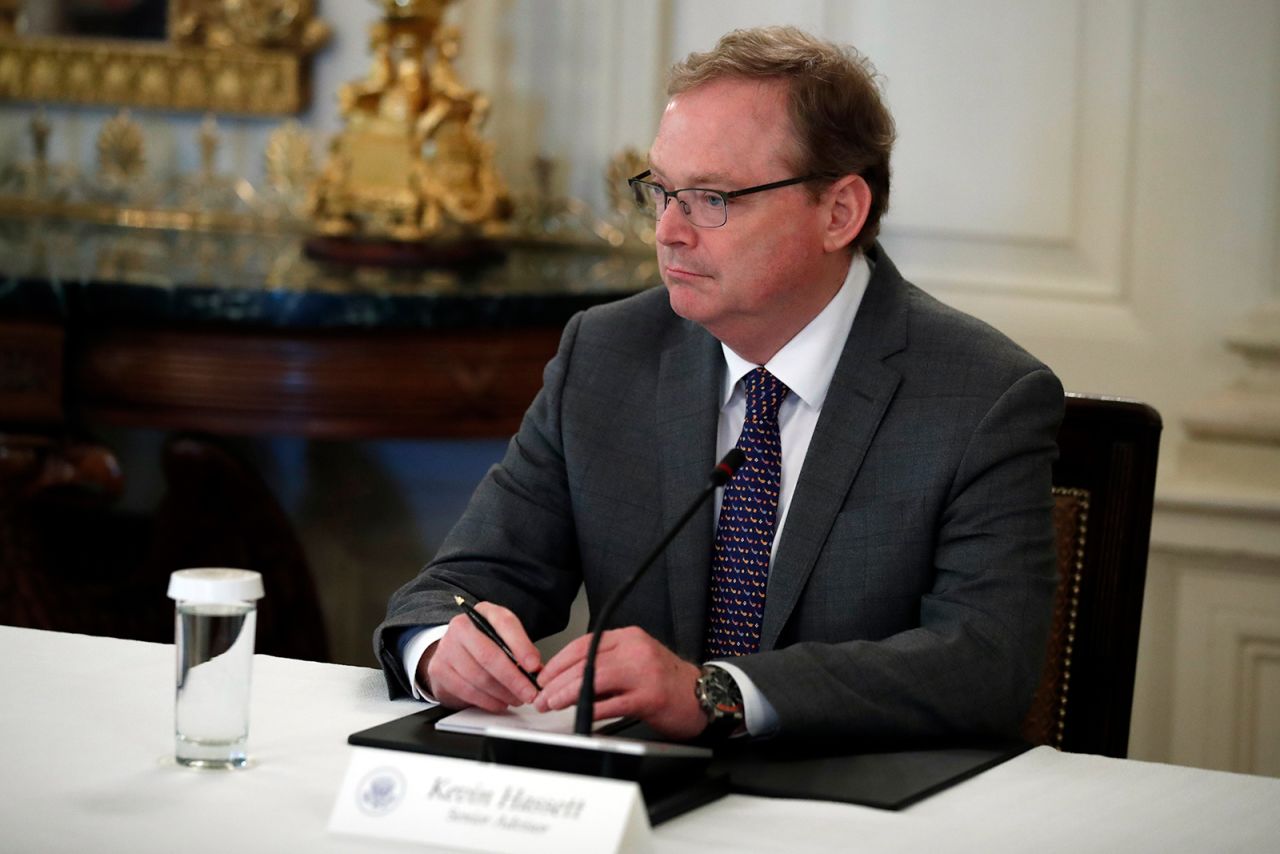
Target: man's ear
(846, 203)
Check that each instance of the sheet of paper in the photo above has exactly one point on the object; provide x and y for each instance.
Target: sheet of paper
(477, 721)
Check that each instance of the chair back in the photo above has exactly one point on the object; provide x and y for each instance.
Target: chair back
(1103, 489)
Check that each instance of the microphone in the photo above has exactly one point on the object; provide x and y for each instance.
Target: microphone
(720, 475)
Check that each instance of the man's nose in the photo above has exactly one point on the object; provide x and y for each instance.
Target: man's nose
(673, 226)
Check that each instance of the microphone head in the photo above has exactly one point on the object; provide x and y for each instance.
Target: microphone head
(727, 467)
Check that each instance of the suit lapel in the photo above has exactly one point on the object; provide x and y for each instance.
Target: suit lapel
(688, 410)
(860, 392)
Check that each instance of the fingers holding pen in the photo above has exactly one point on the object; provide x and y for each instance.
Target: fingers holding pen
(511, 630)
(460, 688)
(493, 662)
(467, 668)
(562, 676)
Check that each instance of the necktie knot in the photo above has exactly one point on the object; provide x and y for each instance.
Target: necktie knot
(765, 394)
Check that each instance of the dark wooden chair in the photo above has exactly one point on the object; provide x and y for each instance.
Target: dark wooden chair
(1104, 487)
(69, 561)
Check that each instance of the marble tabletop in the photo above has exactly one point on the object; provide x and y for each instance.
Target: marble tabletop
(110, 274)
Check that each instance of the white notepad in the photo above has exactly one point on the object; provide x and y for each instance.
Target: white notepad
(478, 721)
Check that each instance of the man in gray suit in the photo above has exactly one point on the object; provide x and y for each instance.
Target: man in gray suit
(882, 566)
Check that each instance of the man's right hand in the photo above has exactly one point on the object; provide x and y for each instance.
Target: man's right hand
(465, 668)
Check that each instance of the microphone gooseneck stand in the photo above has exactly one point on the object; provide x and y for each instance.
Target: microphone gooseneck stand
(720, 475)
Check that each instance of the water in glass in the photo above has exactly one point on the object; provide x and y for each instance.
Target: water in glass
(215, 657)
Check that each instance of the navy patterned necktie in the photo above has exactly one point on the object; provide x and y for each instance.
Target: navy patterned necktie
(748, 515)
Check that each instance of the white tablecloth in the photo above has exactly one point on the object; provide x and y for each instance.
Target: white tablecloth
(85, 766)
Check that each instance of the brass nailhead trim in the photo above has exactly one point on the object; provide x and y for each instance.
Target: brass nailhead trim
(1082, 495)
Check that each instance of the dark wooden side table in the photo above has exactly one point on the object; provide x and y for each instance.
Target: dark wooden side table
(210, 336)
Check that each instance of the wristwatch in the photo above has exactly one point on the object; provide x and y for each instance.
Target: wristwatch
(721, 701)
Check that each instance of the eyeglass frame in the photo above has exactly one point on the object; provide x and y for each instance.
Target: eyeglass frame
(726, 195)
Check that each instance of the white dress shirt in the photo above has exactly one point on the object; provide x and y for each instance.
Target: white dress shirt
(805, 364)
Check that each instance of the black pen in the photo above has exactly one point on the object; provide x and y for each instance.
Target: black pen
(489, 631)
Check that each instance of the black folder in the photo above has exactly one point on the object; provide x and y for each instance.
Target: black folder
(885, 777)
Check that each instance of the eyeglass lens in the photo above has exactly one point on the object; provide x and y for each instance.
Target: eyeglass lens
(705, 208)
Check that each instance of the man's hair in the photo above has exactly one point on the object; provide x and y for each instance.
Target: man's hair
(839, 121)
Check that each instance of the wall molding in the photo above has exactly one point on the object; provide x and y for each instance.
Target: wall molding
(1228, 626)
(1256, 748)
(1090, 260)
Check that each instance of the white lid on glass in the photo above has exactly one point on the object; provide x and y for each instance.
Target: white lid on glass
(215, 584)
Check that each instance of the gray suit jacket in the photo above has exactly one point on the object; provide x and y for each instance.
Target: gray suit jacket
(910, 592)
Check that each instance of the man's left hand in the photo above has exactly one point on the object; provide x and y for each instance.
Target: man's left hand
(635, 677)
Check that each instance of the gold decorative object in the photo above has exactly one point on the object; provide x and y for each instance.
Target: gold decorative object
(121, 156)
(120, 192)
(38, 178)
(208, 146)
(630, 225)
(121, 177)
(544, 217)
(40, 131)
(232, 56)
(208, 190)
(290, 164)
(227, 24)
(290, 167)
(411, 164)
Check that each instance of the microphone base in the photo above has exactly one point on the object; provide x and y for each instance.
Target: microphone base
(673, 778)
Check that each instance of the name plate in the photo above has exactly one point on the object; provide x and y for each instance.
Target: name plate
(414, 797)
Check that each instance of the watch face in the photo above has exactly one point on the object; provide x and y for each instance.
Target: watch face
(717, 691)
(718, 694)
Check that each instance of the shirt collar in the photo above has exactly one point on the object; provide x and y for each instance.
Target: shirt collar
(807, 362)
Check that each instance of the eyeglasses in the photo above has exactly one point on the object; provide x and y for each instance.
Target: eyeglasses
(702, 207)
